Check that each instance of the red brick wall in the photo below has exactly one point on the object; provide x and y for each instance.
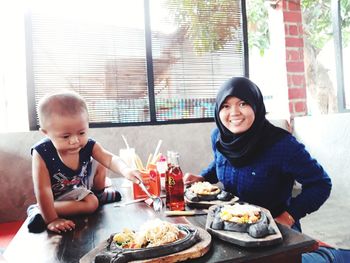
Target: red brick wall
(294, 45)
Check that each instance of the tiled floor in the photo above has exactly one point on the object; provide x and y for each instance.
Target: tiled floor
(330, 224)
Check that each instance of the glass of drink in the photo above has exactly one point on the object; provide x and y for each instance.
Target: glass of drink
(127, 156)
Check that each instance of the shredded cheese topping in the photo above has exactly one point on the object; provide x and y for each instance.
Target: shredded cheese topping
(240, 213)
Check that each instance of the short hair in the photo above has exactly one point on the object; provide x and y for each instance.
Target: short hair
(63, 103)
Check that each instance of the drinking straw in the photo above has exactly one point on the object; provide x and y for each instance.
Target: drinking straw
(149, 160)
(138, 162)
(157, 158)
(156, 151)
(132, 157)
(125, 141)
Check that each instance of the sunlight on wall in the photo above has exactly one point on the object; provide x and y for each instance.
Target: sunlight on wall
(269, 71)
(13, 94)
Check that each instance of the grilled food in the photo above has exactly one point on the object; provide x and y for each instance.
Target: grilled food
(152, 233)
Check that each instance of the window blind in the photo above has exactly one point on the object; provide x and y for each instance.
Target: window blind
(103, 50)
(186, 76)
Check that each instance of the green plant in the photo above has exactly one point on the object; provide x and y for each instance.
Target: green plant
(317, 24)
(210, 24)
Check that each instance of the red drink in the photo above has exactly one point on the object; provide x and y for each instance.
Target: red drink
(174, 185)
(151, 179)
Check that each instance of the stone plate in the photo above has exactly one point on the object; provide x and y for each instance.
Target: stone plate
(244, 239)
(207, 204)
(198, 249)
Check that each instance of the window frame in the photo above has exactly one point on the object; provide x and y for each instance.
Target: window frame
(32, 114)
(338, 53)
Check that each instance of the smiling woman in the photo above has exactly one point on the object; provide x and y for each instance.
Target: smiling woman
(259, 162)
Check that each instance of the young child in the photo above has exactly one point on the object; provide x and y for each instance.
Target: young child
(68, 167)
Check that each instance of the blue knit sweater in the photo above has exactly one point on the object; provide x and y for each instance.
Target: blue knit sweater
(268, 181)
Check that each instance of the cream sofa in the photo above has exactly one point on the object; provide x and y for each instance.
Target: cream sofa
(192, 141)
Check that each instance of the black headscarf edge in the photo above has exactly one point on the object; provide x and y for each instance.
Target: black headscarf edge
(240, 149)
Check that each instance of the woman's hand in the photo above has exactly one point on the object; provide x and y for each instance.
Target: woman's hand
(60, 225)
(190, 178)
(285, 219)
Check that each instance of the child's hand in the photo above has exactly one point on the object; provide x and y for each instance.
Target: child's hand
(132, 175)
(60, 225)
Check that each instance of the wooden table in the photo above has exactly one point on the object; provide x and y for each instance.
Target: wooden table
(93, 229)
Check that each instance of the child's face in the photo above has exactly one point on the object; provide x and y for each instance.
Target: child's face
(68, 133)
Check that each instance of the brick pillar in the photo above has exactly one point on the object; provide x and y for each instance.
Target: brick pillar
(294, 45)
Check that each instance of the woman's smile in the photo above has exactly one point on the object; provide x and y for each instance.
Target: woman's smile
(236, 115)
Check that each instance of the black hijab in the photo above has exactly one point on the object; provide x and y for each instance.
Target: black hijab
(241, 149)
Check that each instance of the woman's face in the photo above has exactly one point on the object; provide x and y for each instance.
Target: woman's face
(236, 115)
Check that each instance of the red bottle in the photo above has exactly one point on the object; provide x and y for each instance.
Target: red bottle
(174, 185)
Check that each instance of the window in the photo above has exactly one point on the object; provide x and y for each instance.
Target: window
(136, 62)
(341, 35)
(326, 41)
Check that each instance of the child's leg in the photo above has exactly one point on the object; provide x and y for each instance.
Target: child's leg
(108, 195)
(100, 171)
(66, 208)
(99, 176)
(36, 223)
(108, 182)
(104, 195)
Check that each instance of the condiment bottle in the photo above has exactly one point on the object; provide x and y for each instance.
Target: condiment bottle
(174, 185)
(162, 167)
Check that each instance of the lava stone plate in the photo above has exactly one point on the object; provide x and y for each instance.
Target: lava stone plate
(219, 197)
(243, 238)
(207, 204)
(195, 243)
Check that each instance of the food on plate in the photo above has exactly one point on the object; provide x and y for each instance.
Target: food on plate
(155, 238)
(204, 188)
(240, 213)
(205, 191)
(242, 217)
(152, 233)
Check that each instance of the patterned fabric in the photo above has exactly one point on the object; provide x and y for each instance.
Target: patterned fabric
(268, 180)
(108, 195)
(63, 178)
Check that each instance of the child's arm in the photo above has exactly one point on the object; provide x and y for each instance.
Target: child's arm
(42, 188)
(115, 163)
(44, 196)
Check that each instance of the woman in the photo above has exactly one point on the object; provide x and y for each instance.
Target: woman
(259, 162)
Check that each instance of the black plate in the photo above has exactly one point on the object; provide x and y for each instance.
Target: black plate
(115, 254)
(207, 204)
(241, 238)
